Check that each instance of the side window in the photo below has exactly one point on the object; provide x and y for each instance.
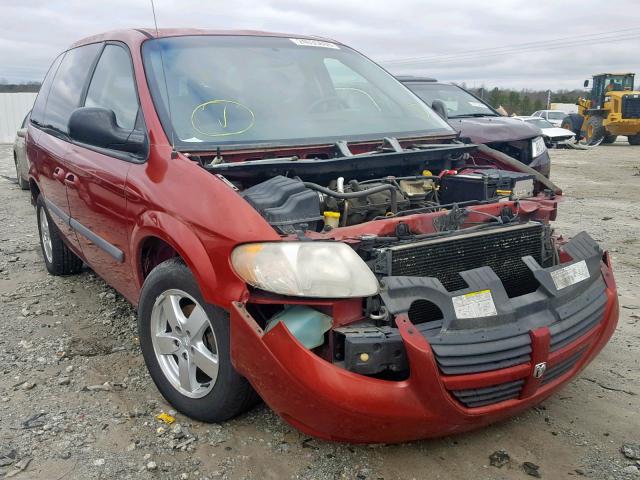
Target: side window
(37, 113)
(67, 86)
(113, 86)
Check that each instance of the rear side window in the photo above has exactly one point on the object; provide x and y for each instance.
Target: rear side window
(66, 90)
(113, 87)
(37, 114)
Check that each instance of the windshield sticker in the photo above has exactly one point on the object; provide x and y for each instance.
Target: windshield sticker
(222, 118)
(478, 104)
(570, 275)
(474, 305)
(305, 42)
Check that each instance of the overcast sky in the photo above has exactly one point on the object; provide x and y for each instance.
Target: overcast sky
(454, 41)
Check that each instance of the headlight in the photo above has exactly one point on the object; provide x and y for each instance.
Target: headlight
(537, 147)
(305, 269)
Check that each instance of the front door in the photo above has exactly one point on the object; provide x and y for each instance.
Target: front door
(96, 178)
(59, 95)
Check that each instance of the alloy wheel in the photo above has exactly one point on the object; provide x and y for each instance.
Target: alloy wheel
(184, 343)
(45, 235)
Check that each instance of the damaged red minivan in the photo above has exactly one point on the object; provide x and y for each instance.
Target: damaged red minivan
(291, 220)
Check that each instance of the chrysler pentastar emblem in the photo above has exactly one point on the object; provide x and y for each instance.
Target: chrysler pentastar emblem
(539, 369)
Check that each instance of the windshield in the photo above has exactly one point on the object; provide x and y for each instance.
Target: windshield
(619, 83)
(556, 115)
(270, 90)
(459, 103)
(539, 122)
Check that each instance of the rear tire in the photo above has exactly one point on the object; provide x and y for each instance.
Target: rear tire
(609, 139)
(634, 139)
(186, 346)
(58, 258)
(594, 130)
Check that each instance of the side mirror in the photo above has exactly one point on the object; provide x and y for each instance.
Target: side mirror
(22, 132)
(441, 109)
(98, 127)
(586, 83)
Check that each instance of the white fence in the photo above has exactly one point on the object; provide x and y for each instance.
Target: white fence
(13, 108)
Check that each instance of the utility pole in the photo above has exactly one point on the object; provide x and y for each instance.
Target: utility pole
(548, 99)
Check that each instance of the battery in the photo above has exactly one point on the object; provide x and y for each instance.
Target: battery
(485, 184)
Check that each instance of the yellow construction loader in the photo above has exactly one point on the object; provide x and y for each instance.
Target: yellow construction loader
(611, 109)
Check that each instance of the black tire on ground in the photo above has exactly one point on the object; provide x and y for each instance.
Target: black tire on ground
(594, 130)
(58, 258)
(634, 139)
(22, 183)
(231, 393)
(573, 122)
(608, 139)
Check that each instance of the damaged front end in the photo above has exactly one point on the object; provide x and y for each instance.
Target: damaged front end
(417, 292)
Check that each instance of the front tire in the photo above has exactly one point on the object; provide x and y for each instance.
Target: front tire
(594, 131)
(634, 139)
(609, 139)
(186, 346)
(58, 258)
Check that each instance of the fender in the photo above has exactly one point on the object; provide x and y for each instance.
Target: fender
(184, 241)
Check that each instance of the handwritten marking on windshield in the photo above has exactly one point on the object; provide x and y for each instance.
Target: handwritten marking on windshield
(239, 114)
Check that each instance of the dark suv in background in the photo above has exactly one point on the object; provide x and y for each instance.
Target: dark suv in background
(479, 122)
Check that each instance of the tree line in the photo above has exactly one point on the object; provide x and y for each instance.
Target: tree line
(524, 102)
(6, 87)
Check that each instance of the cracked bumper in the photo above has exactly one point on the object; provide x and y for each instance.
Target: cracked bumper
(329, 402)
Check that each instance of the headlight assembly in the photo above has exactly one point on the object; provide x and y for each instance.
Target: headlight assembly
(305, 269)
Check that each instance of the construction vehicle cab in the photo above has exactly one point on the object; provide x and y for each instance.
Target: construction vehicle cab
(611, 109)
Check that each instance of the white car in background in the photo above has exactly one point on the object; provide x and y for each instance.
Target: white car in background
(554, 117)
(553, 136)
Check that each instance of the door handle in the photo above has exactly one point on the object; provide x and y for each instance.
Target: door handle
(70, 180)
(58, 173)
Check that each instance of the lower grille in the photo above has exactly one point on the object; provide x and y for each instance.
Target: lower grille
(576, 321)
(502, 250)
(463, 358)
(480, 397)
(631, 106)
(559, 369)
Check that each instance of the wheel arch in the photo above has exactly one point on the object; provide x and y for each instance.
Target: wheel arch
(157, 236)
(35, 191)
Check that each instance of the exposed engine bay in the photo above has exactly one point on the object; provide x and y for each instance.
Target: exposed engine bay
(319, 195)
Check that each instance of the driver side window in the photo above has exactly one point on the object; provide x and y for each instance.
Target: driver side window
(113, 86)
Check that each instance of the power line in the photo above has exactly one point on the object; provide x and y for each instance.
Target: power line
(515, 52)
(545, 48)
(573, 40)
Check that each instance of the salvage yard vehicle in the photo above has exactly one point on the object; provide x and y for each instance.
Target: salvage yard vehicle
(554, 117)
(612, 109)
(290, 220)
(479, 122)
(20, 156)
(553, 136)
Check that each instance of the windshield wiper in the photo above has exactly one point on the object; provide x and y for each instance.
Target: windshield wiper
(473, 115)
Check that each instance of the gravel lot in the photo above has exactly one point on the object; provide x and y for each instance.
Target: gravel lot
(76, 401)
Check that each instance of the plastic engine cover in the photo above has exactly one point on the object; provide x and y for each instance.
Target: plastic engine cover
(285, 203)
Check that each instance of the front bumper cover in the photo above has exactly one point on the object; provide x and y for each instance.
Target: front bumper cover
(329, 402)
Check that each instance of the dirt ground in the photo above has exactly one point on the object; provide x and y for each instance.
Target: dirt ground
(76, 401)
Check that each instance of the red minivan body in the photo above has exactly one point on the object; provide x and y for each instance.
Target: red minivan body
(124, 215)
